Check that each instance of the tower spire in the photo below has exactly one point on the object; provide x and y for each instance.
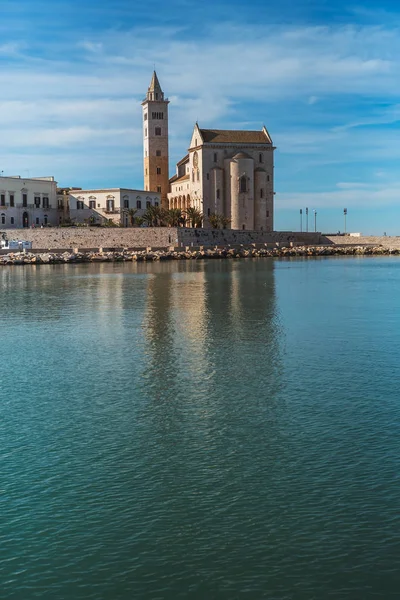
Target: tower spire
(154, 92)
(155, 140)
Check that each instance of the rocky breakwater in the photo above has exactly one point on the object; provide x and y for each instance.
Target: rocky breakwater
(30, 258)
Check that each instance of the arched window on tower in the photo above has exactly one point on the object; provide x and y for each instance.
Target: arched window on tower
(158, 130)
(243, 184)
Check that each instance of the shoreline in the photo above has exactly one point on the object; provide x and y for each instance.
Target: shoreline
(149, 255)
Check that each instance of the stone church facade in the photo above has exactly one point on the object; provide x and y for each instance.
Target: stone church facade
(225, 172)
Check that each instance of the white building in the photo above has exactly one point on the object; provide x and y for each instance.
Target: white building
(27, 202)
(230, 173)
(99, 206)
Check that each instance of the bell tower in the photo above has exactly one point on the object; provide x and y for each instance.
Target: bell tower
(155, 140)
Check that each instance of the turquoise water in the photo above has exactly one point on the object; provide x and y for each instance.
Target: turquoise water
(219, 429)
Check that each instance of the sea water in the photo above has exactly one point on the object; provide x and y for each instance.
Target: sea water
(207, 429)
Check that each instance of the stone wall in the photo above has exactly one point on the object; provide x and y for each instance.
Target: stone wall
(219, 237)
(163, 237)
(95, 237)
(347, 240)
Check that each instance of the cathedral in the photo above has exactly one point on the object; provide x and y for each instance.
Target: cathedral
(225, 172)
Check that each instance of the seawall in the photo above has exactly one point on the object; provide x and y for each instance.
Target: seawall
(154, 237)
(55, 238)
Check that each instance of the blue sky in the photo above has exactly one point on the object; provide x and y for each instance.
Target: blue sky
(323, 76)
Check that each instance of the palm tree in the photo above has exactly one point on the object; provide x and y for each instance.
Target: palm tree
(139, 221)
(132, 212)
(195, 216)
(215, 220)
(175, 217)
(224, 221)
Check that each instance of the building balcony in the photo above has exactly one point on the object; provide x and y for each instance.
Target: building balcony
(115, 211)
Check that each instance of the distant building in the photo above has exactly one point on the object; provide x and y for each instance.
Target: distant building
(27, 202)
(99, 206)
(155, 140)
(226, 172)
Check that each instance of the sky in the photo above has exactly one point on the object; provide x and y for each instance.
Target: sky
(323, 76)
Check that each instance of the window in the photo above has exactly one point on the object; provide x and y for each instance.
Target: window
(12, 200)
(45, 203)
(156, 96)
(37, 201)
(3, 219)
(158, 170)
(158, 152)
(156, 203)
(267, 177)
(215, 157)
(2, 199)
(110, 204)
(243, 184)
(195, 141)
(37, 221)
(145, 117)
(138, 204)
(243, 227)
(261, 193)
(148, 204)
(208, 212)
(24, 200)
(12, 220)
(92, 204)
(198, 175)
(146, 171)
(193, 176)
(208, 176)
(80, 205)
(126, 202)
(267, 214)
(218, 194)
(260, 157)
(145, 132)
(45, 219)
(159, 188)
(157, 115)
(157, 130)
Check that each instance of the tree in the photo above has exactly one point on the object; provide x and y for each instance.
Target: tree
(175, 217)
(195, 216)
(215, 220)
(218, 221)
(139, 221)
(132, 212)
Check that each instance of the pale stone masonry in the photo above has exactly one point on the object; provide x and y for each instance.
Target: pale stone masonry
(27, 202)
(115, 204)
(155, 140)
(228, 172)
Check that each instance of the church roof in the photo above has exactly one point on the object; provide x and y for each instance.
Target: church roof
(154, 84)
(175, 178)
(229, 136)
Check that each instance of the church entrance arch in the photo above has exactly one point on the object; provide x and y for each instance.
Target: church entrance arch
(25, 220)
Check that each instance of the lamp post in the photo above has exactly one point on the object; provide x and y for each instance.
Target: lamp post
(307, 220)
(345, 215)
(301, 220)
(315, 221)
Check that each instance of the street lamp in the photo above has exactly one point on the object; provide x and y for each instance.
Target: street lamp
(315, 221)
(345, 215)
(307, 220)
(301, 219)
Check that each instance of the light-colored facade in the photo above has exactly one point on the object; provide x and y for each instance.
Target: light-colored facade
(27, 202)
(99, 206)
(155, 140)
(230, 173)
